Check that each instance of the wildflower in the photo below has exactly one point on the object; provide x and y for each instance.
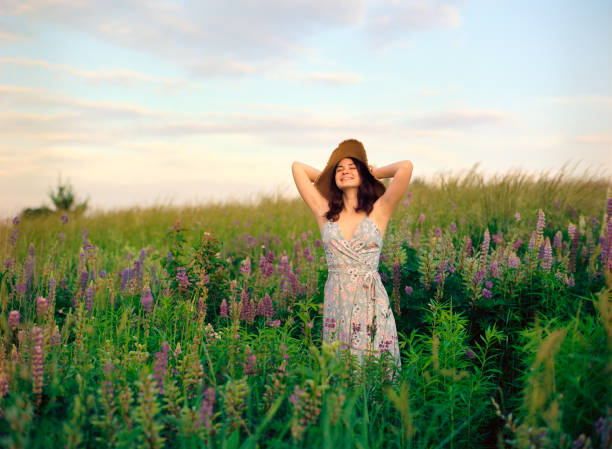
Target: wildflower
(13, 237)
(42, 306)
(51, 289)
(494, 269)
(13, 319)
(89, 299)
(250, 361)
(103, 273)
(498, 238)
(468, 246)
(516, 245)
(484, 248)
(274, 323)
(206, 410)
(408, 290)
(470, 353)
(557, 240)
(223, 309)
(21, 288)
(513, 260)
(260, 308)
(421, 218)
(478, 278)
(64, 219)
(489, 285)
(16, 220)
(147, 299)
(574, 237)
(540, 224)
(181, 277)
(547, 258)
(250, 240)
(517, 217)
(453, 227)
(160, 366)
(438, 232)
(486, 293)
(245, 267)
(37, 361)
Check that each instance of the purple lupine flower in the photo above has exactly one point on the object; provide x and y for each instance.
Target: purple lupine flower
(223, 309)
(160, 367)
(454, 205)
(270, 256)
(293, 280)
(64, 219)
(89, 298)
(484, 248)
(479, 277)
(383, 256)
(517, 217)
(304, 236)
(103, 273)
(146, 299)
(498, 238)
(494, 269)
(13, 319)
(453, 228)
(21, 288)
(438, 232)
(274, 323)
(13, 237)
(244, 306)
(181, 277)
(516, 245)
(42, 306)
(513, 260)
(260, 308)
(574, 237)
(540, 223)
(486, 293)
(206, 410)
(245, 267)
(268, 306)
(468, 246)
(84, 278)
(16, 220)
(557, 240)
(37, 360)
(532, 241)
(251, 311)
(470, 353)
(408, 290)
(250, 361)
(268, 270)
(251, 241)
(488, 284)
(547, 259)
(421, 218)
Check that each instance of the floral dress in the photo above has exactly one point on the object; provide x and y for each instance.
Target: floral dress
(356, 307)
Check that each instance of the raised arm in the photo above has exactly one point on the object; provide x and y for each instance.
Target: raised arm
(304, 176)
(401, 172)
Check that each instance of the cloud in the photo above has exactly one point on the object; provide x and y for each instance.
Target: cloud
(595, 139)
(581, 99)
(331, 78)
(235, 38)
(461, 119)
(115, 76)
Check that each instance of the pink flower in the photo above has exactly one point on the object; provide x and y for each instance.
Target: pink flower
(223, 309)
(42, 306)
(146, 300)
(13, 319)
(408, 290)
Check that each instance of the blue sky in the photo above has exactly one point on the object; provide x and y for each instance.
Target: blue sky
(138, 102)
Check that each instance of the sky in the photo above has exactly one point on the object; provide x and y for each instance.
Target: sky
(142, 102)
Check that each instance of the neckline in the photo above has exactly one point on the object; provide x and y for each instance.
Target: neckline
(356, 229)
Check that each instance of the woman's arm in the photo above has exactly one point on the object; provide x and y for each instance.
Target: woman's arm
(401, 173)
(304, 176)
(388, 171)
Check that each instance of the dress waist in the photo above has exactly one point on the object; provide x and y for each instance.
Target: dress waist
(353, 271)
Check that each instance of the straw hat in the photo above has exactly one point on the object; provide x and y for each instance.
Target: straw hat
(347, 148)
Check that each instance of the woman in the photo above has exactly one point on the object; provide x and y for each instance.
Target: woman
(352, 208)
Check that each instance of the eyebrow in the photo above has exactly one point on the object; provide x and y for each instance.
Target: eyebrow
(348, 165)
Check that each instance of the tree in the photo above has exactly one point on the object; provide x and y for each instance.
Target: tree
(64, 198)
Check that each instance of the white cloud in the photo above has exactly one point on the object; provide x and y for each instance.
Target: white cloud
(461, 119)
(238, 37)
(121, 76)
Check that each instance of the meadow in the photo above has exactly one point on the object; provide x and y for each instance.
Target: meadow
(200, 326)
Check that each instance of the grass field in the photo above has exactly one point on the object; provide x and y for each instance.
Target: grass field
(201, 326)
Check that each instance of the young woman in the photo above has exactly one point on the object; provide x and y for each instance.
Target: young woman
(352, 208)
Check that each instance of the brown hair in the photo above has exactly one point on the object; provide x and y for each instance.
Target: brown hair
(366, 194)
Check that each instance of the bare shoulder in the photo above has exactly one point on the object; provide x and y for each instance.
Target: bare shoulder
(380, 217)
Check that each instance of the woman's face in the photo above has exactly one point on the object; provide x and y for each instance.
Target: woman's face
(347, 174)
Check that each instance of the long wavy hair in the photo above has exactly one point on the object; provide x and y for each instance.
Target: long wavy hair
(366, 194)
